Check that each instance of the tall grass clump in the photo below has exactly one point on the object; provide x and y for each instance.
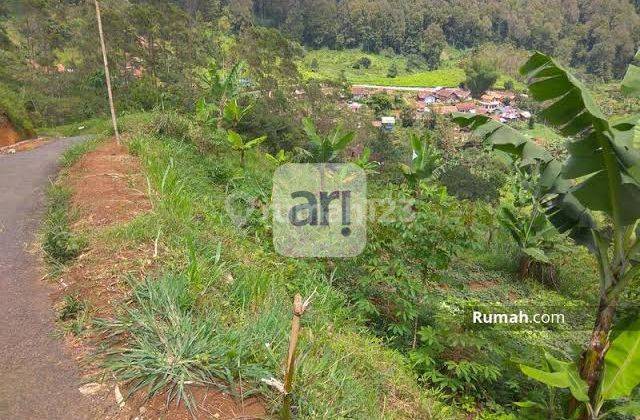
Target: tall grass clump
(160, 342)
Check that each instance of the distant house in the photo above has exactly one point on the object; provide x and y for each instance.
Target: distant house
(445, 110)
(490, 106)
(445, 95)
(525, 114)
(452, 95)
(466, 107)
(499, 96)
(359, 92)
(461, 94)
(427, 96)
(509, 113)
(388, 123)
(134, 66)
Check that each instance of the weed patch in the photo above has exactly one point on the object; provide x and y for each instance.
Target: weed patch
(162, 343)
(60, 245)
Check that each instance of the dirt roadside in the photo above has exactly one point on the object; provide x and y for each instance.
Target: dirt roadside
(109, 188)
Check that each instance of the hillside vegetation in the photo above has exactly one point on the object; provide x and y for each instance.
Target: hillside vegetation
(470, 213)
(13, 107)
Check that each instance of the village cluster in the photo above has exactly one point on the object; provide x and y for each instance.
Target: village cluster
(498, 105)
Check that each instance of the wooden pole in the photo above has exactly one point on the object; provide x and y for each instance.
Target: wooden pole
(298, 309)
(106, 73)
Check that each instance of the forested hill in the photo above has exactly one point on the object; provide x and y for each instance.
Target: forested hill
(49, 53)
(598, 36)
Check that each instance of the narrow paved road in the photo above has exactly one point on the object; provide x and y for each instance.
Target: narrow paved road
(37, 379)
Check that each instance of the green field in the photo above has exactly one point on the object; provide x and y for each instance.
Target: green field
(331, 63)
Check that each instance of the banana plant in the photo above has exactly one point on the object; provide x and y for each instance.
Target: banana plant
(233, 113)
(326, 147)
(364, 161)
(620, 377)
(424, 160)
(221, 87)
(279, 158)
(240, 145)
(526, 222)
(602, 174)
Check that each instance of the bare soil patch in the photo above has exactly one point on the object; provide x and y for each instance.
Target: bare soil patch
(108, 187)
(23, 146)
(8, 134)
(478, 286)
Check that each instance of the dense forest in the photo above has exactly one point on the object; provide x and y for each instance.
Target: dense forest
(537, 211)
(598, 36)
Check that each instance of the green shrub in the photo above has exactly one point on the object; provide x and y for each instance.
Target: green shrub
(221, 172)
(59, 243)
(143, 94)
(71, 307)
(11, 105)
(393, 70)
(74, 314)
(475, 176)
(172, 124)
(134, 123)
(363, 62)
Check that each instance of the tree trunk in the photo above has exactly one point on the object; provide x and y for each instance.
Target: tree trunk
(592, 359)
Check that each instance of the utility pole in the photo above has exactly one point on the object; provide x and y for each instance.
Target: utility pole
(106, 73)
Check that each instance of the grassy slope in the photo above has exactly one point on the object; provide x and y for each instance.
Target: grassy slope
(96, 125)
(331, 63)
(344, 372)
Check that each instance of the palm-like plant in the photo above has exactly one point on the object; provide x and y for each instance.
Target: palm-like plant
(364, 161)
(326, 147)
(233, 113)
(238, 144)
(602, 174)
(279, 158)
(425, 158)
(222, 87)
(529, 226)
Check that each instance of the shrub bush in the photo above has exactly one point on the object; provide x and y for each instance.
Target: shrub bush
(59, 243)
(11, 105)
